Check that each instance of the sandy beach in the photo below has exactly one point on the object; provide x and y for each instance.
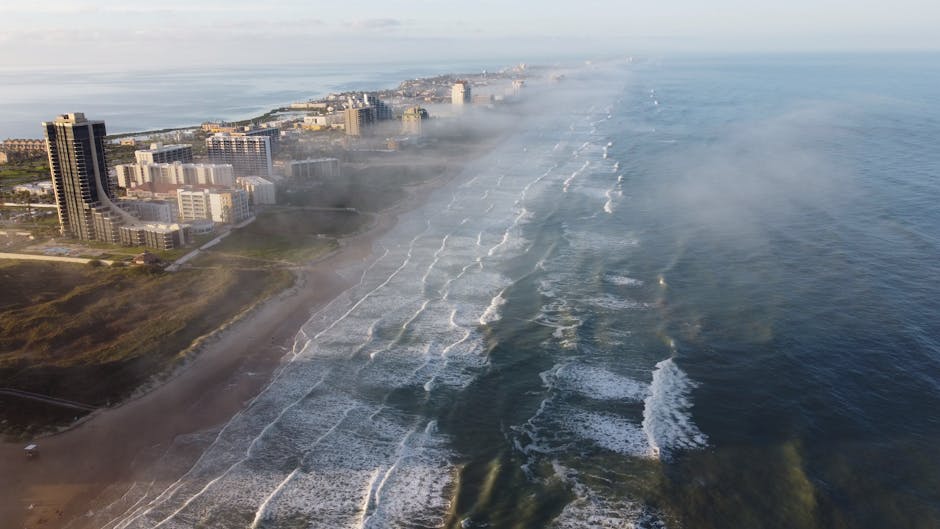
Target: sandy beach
(85, 468)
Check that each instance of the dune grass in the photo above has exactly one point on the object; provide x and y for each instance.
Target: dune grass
(289, 235)
(94, 335)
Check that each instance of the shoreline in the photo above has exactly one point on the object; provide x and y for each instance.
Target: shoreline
(229, 367)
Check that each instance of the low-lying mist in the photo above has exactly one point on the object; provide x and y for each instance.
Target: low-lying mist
(754, 176)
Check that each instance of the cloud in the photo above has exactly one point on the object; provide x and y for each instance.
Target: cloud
(370, 24)
(266, 26)
(81, 8)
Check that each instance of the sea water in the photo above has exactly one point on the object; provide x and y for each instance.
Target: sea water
(684, 293)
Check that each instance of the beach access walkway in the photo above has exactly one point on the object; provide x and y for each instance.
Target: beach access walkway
(34, 257)
(65, 403)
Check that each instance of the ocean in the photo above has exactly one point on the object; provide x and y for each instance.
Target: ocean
(684, 292)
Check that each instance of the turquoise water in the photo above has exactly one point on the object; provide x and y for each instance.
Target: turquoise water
(683, 293)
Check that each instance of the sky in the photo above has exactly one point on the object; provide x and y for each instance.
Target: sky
(46, 33)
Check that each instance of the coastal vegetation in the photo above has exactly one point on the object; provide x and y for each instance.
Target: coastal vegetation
(117, 154)
(96, 334)
(21, 172)
(287, 236)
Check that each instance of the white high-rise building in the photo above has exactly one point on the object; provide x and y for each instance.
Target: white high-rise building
(193, 204)
(460, 93)
(159, 153)
(260, 191)
(359, 120)
(248, 155)
(227, 206)
(230, 206)
(130, 176)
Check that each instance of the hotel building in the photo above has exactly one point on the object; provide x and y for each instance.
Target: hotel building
(248, 155)
(159, 153)
(130, 176)
(228, 206)
(315, 169)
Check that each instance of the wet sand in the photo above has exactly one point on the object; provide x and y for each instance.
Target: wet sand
(156, 437)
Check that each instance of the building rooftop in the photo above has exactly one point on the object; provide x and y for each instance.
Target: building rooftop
(257, 180)
(314, 160)
(156, 227)
(72, 117)
(159, 147)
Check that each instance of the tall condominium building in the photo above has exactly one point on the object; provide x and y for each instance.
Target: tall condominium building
(159, 153)
(130, 176)
(83, 192)
(412, 120)
(359, 120)
(381, 111)
(273, 133)
(315, 169)
(248, 155)
(460, 93)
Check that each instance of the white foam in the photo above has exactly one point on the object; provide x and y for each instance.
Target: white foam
(437, 258)
(567, 183)
(609, 205)
(502, 242)
(594, 242)
(491, 314)
(609, 432)
(611, 302)
(590, 509)
(597, 383)
(623, 281)
(667, 420)
(261, 513)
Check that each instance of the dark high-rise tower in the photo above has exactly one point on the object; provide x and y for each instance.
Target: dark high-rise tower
(80, 180)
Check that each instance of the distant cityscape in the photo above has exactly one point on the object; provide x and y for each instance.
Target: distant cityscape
(169, 193)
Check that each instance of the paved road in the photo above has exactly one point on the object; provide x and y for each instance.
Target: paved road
(175, 266)
(47, 399)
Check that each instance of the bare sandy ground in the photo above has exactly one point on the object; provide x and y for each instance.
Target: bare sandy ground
(87, 467)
